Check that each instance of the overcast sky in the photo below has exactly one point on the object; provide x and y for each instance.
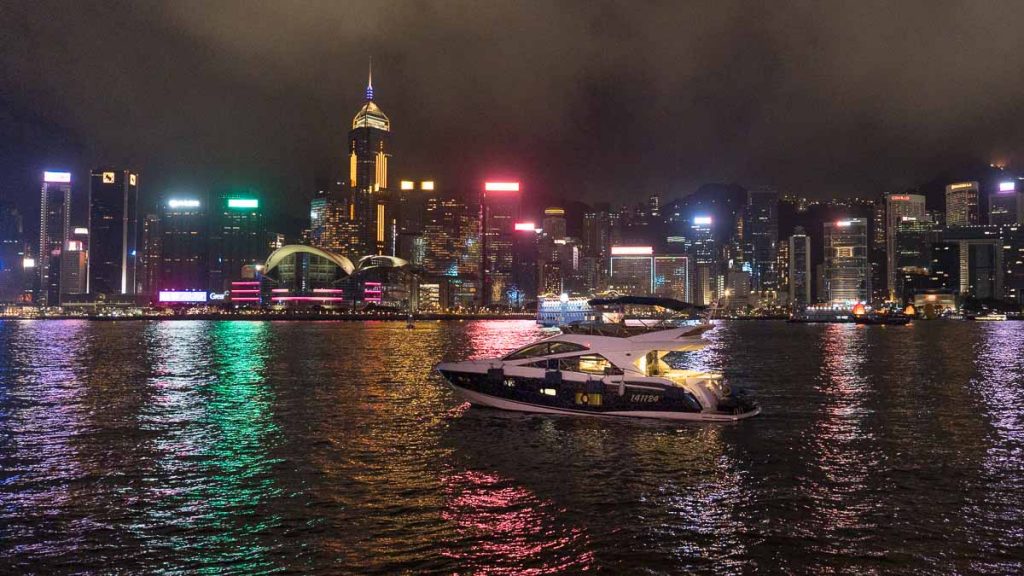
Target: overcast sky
(595, 100)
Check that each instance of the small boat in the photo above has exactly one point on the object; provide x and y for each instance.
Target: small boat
(409, 324)
(609, 376)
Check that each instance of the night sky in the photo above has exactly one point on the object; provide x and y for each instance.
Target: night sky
(586, 100)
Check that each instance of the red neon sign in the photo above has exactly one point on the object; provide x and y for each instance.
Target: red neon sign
(501, 186)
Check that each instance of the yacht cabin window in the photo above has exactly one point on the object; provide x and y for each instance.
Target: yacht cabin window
(544, 349)
(587, 364)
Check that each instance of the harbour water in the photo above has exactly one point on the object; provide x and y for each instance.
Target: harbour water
(252, 447)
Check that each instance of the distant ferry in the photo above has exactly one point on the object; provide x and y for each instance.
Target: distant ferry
(990, 317)
(814, 314)
(553, 311)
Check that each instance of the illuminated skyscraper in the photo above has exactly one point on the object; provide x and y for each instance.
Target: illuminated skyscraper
(631, 270)
(847, 274)
(554, 223)
(898, 206)
(707, 281)
(410, 215)
(74, 264)
(499, 209)
(12, 253)
(524, 265)
(150, 257)
(1006, 205)
(237, 238)
(451, 258)
(54, 228)
(912, 254)
(113, 231)
(371, 203)
(761, 231)
(183, 259)
(962, 204)
(800, 278)
(672, 277)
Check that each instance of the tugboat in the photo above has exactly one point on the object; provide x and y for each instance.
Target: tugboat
(602, 375)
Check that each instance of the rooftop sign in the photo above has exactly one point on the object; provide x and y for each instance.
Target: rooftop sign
(501, 186)
(57, 177)
(242, 203)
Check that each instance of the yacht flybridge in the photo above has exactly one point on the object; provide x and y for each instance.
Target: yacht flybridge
(595, 375)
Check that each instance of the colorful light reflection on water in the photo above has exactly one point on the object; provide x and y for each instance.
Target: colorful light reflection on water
(255, 447)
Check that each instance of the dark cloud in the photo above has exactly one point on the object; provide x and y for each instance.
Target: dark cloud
(596, 100)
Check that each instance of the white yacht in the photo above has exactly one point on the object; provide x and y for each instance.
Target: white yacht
(595, 375)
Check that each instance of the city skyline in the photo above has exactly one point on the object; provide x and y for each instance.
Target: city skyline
(587, 126)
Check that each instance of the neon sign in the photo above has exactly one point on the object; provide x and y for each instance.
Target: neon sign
(501, 186)
(182, 296)
(57, 177)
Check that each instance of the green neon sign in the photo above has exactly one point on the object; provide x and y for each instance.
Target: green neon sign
(243, 203)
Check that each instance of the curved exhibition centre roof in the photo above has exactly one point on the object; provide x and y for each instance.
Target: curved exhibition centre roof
(365, 263)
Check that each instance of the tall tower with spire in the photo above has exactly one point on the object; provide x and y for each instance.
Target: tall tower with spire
(368, 156)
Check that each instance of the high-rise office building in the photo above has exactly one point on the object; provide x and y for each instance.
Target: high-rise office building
(74, 265)
(761, 232)
(847, 274)
(898, 206)
(672, 277)
(707, 281)
(150, 260)
(631, 270)
(912, 254)
(499, 211)
(410, 214)
(113, 232)
(800, 278)
(554, 223)
(1013, 262)
(450, 234)
(978, 269)
(962, 204)
(183, 250)
(237, 238)
(54, 228)
(524, 265)
(597, 228)
(12, 253)
(1006, 205)
(638, 271)
(370, 199)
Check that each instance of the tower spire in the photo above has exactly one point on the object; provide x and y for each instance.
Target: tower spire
(369, 81)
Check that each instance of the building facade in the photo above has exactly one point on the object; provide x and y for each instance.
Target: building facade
(761, 235)
(898, 206)
(847, 273)
(499, 212)
(113, 232)
(54, 230)
(800, 277)
(1006, 205)
(237, 239)
(183, 246)
(962, 204)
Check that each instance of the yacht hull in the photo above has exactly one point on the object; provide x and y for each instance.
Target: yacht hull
(480, 399)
